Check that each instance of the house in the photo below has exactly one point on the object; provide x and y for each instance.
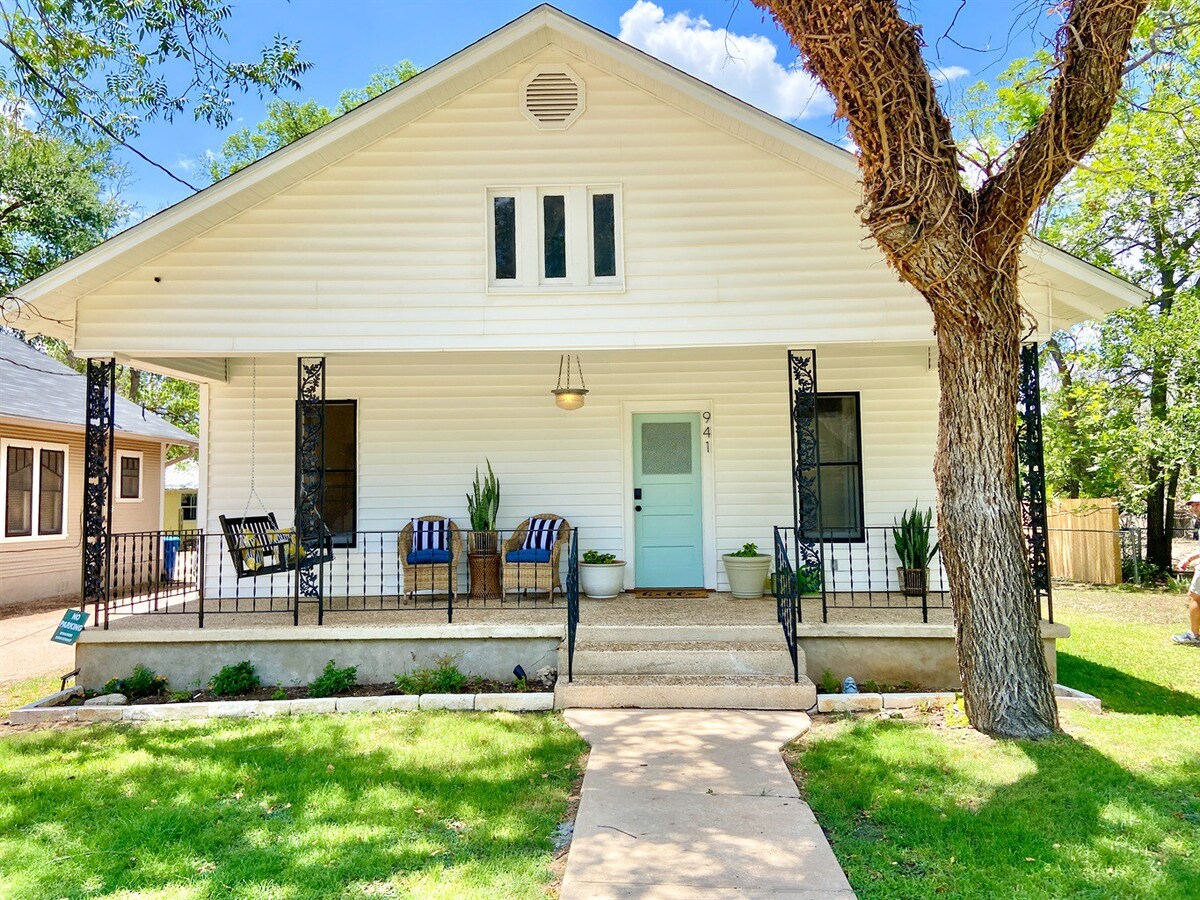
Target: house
(402, 290)
(181, 494)
(42, 407)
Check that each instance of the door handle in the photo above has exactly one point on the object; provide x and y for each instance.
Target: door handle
(637, 508)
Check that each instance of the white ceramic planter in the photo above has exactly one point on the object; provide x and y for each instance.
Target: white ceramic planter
(602, 581)
(747, 575)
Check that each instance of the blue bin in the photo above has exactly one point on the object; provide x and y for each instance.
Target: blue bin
(170, 552)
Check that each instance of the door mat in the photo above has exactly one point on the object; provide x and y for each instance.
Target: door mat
(671, 593)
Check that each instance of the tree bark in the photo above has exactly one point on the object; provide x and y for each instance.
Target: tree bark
(1006, 681)
(960, 249)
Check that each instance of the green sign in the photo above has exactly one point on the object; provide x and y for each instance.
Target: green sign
(70, 627)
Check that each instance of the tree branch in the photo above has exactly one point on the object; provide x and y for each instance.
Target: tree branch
(1093, 46)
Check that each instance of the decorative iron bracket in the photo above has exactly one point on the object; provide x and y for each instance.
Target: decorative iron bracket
(806, 455)
(97, 485)
(1031, 475)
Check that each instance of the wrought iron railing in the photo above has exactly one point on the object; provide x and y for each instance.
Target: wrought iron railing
(786, 607)
(572, 602)
(193, 573)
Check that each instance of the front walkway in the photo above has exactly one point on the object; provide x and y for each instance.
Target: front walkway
(694, 803)
(26, 650)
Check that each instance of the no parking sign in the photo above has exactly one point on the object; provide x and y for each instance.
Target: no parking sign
(70, 627)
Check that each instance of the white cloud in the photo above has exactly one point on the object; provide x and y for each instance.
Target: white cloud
(742, 65)
(946, 74)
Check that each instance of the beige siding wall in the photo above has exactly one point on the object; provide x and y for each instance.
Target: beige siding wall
(49, 570)
(725, 243)
(427, 420)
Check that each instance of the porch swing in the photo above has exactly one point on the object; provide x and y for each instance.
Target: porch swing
(256, 544)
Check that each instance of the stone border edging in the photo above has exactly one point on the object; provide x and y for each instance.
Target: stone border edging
(1064, 696)
(47, 710)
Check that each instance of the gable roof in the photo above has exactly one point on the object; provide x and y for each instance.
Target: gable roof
(34, 386)
(56, 291)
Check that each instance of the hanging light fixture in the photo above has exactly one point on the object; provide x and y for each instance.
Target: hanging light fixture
(566, 396)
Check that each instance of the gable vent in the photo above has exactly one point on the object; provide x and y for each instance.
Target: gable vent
(552, 97)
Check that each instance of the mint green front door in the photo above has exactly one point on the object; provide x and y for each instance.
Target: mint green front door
(668, 520)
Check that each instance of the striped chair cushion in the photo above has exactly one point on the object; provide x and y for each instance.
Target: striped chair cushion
(542, 534)
(431, 535)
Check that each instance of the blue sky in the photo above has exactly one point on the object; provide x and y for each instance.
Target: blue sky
(729, 43)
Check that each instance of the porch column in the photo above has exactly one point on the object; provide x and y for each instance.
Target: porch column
(97, 486)
(310, 482)
(1031, 475)
(806, 454)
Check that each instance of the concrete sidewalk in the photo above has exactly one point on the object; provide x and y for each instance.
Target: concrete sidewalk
(694, 803)
(27, 651)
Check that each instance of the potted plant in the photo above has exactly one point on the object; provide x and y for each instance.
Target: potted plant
(483, 547)
(601, 575)
(483, 505)
(747, 571)
(911, 536)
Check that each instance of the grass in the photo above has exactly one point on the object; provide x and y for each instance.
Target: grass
(385, 805)
(15, 694)
(1111, 808)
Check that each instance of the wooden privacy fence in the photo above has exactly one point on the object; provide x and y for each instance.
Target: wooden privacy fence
(1085, 541)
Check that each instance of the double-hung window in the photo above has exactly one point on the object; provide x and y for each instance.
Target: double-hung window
(129, 474)
(554, 238)
(839, 468)
(33, 484)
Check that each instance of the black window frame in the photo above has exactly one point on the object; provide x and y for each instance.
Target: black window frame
(185, 507)
(8, 489)
(861, 535)
(342, 539)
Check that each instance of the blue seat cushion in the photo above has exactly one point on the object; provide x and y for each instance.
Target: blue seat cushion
(417, 557)
(528, 555)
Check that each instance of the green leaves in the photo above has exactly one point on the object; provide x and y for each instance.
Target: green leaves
(911, 535)
(483, 504)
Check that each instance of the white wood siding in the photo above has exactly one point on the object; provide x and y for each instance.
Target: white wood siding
(725, 243)
(425, 421)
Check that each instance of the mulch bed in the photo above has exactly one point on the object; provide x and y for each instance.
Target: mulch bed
(300, 692)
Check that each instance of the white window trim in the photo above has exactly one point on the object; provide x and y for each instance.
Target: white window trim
(116, 476)
(530, 228)
(37, 447)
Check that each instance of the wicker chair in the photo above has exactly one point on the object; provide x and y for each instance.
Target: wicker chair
(533, 576)
(437, 578)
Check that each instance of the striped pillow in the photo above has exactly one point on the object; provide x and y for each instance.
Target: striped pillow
(542, 534)
(431, 535)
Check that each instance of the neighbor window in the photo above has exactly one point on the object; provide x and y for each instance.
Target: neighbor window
(339, 503)
(839, 468)
(187, 507)
(130, 473)
(34, 488)
(554, 238)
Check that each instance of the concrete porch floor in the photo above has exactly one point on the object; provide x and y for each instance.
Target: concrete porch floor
(626, 610)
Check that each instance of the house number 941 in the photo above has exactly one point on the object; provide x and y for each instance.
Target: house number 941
(707, 431)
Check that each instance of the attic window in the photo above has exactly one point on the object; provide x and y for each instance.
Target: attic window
(552, 97)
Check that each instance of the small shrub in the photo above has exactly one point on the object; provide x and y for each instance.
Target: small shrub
(279, 693)
(239, 678)
(596, 558)
(179, 697)
(141, 683)
(333, 681)
(445, 679)
(747, 550)
(830, 683)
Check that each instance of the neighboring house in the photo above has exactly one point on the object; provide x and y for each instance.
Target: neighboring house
(548, 190)
(42, 405)
(181, 495)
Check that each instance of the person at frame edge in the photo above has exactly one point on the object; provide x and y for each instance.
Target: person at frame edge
(1192, 637)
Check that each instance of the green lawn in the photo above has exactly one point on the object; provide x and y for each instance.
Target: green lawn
(385, 805)
(15, 694)
(1109, 809)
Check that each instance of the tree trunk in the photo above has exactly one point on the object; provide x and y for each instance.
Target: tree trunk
(1006, 682)
(1158, 516)
(135, 385)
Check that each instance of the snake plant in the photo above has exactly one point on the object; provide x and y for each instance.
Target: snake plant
(911, 536)
(484, 505)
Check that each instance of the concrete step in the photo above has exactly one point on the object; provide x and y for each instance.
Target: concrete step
(705, 658)
(685, 692)
(667, 634)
